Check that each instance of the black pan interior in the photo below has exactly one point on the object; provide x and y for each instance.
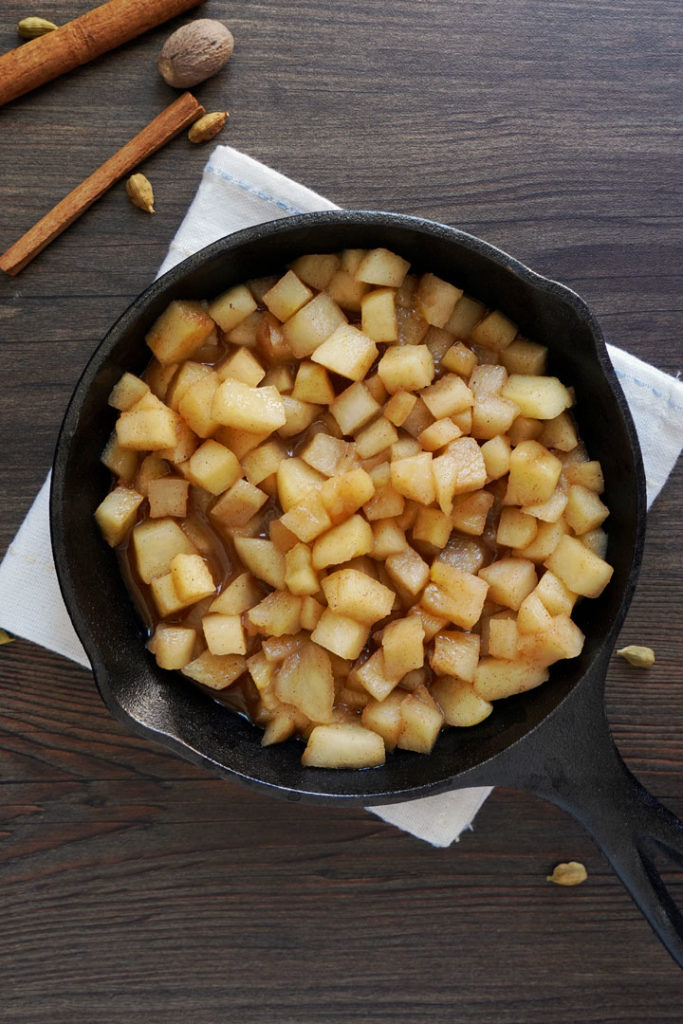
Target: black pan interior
(163, 705)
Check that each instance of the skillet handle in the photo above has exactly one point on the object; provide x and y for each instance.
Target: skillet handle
(590, 780)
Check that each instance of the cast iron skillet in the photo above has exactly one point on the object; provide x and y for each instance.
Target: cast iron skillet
(554, 741)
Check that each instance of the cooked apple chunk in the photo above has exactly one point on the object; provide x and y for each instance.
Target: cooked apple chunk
(116, 514)
(347, 351)
(255, 409)
(343, 745)
(353, 593)
(180, 331)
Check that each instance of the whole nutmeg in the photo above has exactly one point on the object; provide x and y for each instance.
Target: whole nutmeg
(195, 52)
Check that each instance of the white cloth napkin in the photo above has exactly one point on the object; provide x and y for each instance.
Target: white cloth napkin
(236, 192)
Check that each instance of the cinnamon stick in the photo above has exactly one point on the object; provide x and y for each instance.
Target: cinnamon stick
(80, 41)
(181, 113)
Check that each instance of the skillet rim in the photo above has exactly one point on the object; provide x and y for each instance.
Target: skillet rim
(345, 780)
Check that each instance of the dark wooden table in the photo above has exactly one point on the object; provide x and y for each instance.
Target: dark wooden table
(135, 887)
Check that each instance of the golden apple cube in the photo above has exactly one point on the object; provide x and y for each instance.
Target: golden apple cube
(470, 512)
(237, 596)
(238, 504)
(316, 269)
(165, 596)
(454, 595)
(495, 331)
(253, 409)
(492, 416)
(413, 478)
(460, 704)
(346, 291)
(294, 480)
(388, 538)
(312, 324)
(116, 514)
(308, 519)
(375, 438)
(432, 527)
(496, 455)
(459, 359)
(516, 529)
(466, 314)
(215, 670)
(549, 511)
(580, 569)
(343, 542)
(328, 455)
(271, 343)
(496, 679)
(242, 365)
(510, 580)
(373, 676)
(447, 396)
(312, 384)
(438, 435)
(155, 542)
(384, 717)
(195, 405)
(298, 416)
(422, 720)
(358, 596)
(584, 510)
(557, 598)
(547, 538)
(127, 391)
(524, 356)
(224, 634)
(408, 570)
(180, 331)
(524, 428)
(353, 408)
(378, 314)
(122, 462)
(277, 614)
(246, 331)
(305, 681)
(343, 745)
(278, 729)
(406, 368)
(300, 577)
(262, 461)
(344, 494)
(347, 351)
(560, 433)
(262, 559)
(382, 267)
(168, 497)
(311, 612)
(534, 473)
(172, 646)
(287, 296)
(214, 467)
(340, 634)
(403, 646)
(435, 299)
(542, 398)
(455, 654)
(533, 616)
(147, 429)
(399, 407)
(561, 639)
(587, 474)
(192, 578)
(459, 470)
(232, 307)
(503, 636)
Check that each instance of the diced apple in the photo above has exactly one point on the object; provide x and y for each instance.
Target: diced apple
(172, 646)
(254, 409)
(542, 398)
(116, 514)
(343, 745)
(460, 704)
(343, 542)
(435, 299)
(308, 328)
(155, 542)
(232, 307)
(179, 332)
(262, 559)
(581, 570)
(382, 267)
(455, 654)
(224, 634)
(191, 578)
(340, 634)
(510, 580)
(215, 670)
(406, 368)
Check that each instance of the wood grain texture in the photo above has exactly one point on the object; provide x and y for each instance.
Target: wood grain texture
(134, 886)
